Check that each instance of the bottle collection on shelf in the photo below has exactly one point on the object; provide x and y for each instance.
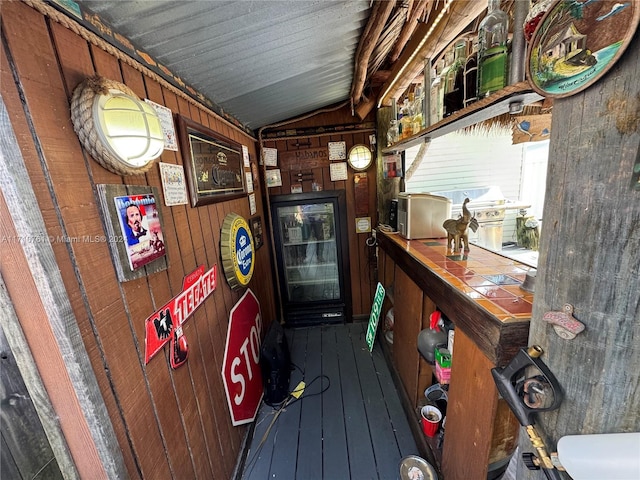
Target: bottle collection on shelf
(469, 71)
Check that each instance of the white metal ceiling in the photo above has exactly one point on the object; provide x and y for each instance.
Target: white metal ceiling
(260, 61)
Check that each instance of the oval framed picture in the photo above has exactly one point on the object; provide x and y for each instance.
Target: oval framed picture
(577, 42)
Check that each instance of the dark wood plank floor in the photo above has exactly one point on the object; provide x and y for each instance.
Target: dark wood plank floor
(356, 428)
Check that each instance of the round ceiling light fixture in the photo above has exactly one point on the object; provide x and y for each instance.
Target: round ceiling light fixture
(360, 157)
(121, 132)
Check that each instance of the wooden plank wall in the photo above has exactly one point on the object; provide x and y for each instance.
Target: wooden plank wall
(590, 258)
(169, 424)
(361, 257)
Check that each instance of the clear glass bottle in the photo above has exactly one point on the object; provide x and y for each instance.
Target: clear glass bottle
(407, 119)
(454, 79)
(492, 50)
(392, 133)
(471, 76)
(436, 94)
(418, 102)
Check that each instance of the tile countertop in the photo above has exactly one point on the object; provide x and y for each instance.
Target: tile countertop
(489, 279)
(478, 290)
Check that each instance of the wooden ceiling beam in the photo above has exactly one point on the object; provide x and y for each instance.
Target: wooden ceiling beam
(409, 27)
(377, 20)
(411, 61)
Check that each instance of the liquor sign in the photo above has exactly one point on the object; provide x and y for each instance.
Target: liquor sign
(241, 366)
(166, 324)
(378, 298)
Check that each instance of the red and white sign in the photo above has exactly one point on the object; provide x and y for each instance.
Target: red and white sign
(166, 324)
(241, 367)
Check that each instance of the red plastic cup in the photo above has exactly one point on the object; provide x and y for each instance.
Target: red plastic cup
(431, 417)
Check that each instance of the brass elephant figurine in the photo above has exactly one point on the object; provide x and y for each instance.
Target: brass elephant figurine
(458, 229)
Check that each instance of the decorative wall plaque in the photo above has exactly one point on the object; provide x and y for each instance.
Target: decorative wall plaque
(214, 165)
(576, 43)
(337, 150)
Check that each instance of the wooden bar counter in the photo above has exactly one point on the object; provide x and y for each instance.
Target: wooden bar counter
(479, 291)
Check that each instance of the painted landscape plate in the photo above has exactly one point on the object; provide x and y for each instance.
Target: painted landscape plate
(578, 41)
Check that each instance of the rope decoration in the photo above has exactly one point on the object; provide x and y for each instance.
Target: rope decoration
(93, 39)
(84, 125)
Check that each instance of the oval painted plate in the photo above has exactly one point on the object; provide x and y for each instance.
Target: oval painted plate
(577, 42)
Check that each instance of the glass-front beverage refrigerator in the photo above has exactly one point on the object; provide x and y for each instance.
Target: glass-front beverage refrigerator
(312, 255)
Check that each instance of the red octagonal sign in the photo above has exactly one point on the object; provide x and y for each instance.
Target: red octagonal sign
(241, 366)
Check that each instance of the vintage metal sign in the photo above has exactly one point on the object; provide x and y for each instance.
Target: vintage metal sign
(378, 298)
(236, 249)
(166, 324)
(241, 366)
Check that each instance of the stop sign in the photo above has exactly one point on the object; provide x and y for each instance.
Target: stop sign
(241, 365)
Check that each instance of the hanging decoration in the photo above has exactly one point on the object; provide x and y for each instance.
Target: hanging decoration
(576, 43)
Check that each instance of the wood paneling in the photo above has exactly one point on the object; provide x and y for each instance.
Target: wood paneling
(303, 164)
(168, 423)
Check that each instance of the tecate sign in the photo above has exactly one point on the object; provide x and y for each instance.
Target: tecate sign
(241, 367)
(165, 324)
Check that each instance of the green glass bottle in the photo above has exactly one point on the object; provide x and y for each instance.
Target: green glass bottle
(492, 50)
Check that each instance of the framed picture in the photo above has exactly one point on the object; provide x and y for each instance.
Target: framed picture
(273, 178)
(576, 43)
(214, 165)
(255, 223)
(174, 185)
(337, 150)
(133, 221)
(338, 171)
(270, 156)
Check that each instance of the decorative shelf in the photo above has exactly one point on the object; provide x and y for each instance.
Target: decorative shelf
(489, 107)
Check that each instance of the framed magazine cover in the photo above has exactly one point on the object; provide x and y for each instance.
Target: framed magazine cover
(141, 229)
(133, 222)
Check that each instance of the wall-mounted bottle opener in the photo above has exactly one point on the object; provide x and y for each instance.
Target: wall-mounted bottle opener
(564, 323)
(583, 457)
(529, 387)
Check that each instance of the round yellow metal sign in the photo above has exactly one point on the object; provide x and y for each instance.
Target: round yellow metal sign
(237, 250)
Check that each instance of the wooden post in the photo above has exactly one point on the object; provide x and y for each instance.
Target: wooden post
(590, 258)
